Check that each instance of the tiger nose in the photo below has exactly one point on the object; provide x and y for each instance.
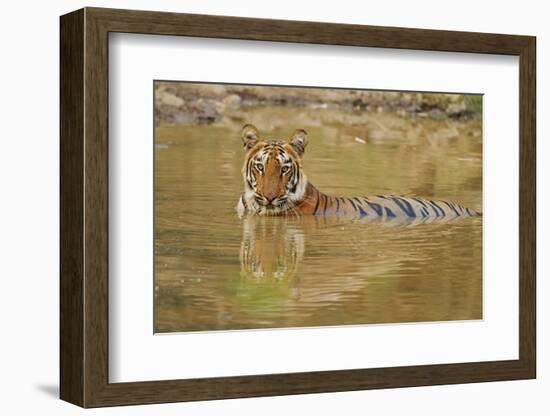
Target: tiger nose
(270, 199)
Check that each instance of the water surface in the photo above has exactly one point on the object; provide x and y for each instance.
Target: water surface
(214, 271)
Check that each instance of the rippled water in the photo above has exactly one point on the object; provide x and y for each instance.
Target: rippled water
(215, 271)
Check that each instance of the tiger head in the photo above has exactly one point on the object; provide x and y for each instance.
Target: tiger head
(273, 177)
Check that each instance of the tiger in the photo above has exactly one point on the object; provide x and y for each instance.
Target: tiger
(275, 184)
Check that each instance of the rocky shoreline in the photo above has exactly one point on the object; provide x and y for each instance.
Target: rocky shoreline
(192, 103)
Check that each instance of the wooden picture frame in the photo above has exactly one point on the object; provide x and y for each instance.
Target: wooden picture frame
(84, 207)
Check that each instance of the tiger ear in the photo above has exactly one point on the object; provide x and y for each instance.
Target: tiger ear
(298, 141)
(250, 136)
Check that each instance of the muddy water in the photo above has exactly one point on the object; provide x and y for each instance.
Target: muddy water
(214, 271)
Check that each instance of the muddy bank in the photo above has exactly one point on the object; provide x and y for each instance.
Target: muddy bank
(189, 103)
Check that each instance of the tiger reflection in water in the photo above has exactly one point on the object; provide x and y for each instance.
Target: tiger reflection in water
(271, 249)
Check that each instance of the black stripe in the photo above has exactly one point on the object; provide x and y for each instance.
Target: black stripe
(249, 173)
(376, 207)
(296, 176)
(452, 207)
(293, 189)
(434, 209)
(425, 205)
(360, 207)
(438, 207)
(352, 203)
(325, 208)
(317, 204)
(389, 212)
(362, 212)
(337, 204)
(405, 206)
(295, 179)
(421, 201)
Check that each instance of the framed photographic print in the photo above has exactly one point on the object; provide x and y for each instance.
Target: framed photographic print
(255, 207)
